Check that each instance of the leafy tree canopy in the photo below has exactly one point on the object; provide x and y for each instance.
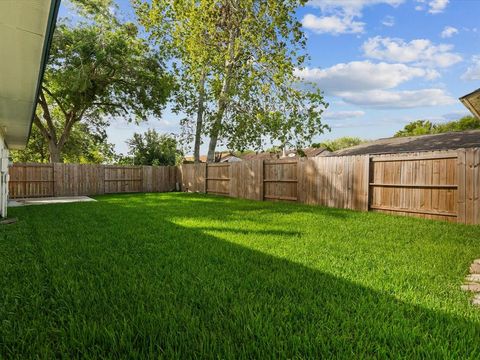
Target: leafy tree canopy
(83, 146)
(340, 143)
(424, 127)
(98, 69)
(236, 62)
(152, 148)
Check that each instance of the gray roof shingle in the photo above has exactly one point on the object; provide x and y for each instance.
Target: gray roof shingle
(445, 141)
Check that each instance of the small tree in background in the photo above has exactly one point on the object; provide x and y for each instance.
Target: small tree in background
(340, 143)
(425, 127)
(152, 148)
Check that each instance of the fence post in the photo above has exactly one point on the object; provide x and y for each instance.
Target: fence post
(262, 178)
(367, 180)
(461, 167)
(205, 185)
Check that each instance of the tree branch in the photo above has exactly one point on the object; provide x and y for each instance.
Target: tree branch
(55, 99)
(47, 116)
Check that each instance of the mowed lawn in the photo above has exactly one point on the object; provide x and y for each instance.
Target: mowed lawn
(197, 276)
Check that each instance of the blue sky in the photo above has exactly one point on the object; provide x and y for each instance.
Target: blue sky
(380, 63)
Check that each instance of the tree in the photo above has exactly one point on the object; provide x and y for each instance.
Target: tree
(97, 70)
(424, 127)
(464, 124)
(340, 143)
(152, 148)
(237, 60)
(419, 127)
(82, 147)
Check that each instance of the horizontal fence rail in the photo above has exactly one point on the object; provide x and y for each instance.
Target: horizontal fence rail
(50, 180)
(442, 185)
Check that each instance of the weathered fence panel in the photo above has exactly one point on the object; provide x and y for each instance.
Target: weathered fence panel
(280, 180)
(193, 177)
(423, 184)
(31, 180)
(246, 179)
(46, 180)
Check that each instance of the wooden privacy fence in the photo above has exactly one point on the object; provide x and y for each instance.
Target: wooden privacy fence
(47, 180)
(442, 185)
(435, 185)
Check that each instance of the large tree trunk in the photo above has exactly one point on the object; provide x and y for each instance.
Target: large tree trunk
(223, 98)
(199, 125)
(55, 152)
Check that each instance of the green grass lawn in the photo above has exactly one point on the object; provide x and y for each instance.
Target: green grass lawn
(195, 276)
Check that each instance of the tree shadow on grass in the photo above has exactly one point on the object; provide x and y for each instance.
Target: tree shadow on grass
(137, 284)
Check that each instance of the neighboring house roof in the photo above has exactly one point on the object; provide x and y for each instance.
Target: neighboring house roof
(188, 159)
(445, 141)
(309, 152)
(26, 29)
(230, 158)
(472, 102)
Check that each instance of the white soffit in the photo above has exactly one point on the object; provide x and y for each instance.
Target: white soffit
(25, 27)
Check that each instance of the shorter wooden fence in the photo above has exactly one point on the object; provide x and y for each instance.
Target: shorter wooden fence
(50, 180)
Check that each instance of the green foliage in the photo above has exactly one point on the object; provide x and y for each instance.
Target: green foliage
(82, 147)
(419, 127)
(247, 53)
(153, 148)
(99, 69)
(340, 143)
(424, 127)
(185, 276)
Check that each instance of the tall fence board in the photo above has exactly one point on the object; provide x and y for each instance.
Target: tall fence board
(46, 180)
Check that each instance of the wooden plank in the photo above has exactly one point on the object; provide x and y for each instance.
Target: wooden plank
(427, 186)
(461, 178)
(389, 158)
(273, 197)
(414, 211)
(281, 180)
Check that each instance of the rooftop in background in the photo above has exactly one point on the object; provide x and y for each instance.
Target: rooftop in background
(472, 102)
(294, 153)
(444, 141)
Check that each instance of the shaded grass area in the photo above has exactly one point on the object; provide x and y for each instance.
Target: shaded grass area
(195, 276)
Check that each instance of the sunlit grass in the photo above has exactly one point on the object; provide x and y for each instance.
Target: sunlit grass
(183, 275)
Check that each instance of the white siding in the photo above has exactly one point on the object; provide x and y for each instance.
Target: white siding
(3, 177)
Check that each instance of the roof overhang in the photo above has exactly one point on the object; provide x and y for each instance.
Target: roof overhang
(472, 102)
(26, 29)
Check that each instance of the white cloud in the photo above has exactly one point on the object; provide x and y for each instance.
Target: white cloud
(350, 6)
(332, 24)
(340, 16)
(388, 21)
(363, 75)
(342, 115)
(448, 32)
(433, 6)
(418, 51)
(398, 99)
(437, 6)
(473, 71)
